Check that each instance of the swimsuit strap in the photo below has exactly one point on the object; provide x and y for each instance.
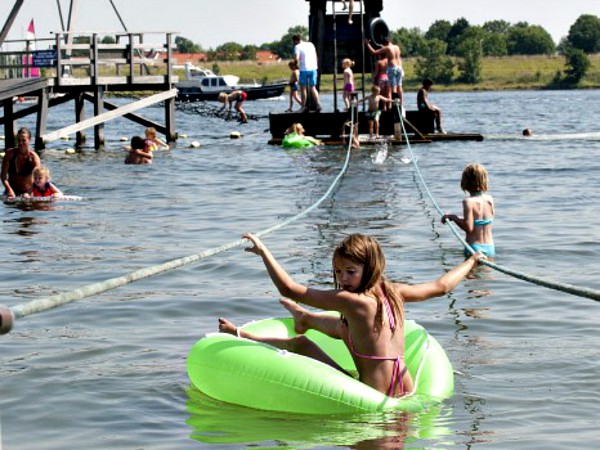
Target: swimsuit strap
(390, 314)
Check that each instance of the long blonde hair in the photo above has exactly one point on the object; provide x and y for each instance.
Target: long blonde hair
(366, 251)
(296, 128)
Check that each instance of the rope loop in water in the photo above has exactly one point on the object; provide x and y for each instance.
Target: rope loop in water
(8, 315)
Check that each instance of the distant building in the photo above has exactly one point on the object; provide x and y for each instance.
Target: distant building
(182, 58)
(267, 56)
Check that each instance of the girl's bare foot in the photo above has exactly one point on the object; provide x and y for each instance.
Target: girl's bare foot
(225, 326)
(298, 313)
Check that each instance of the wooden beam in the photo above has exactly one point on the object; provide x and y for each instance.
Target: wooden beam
(105, 117)
(132, 116)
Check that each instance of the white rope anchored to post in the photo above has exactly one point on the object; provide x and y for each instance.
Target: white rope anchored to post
(9, 315)
(563, 287)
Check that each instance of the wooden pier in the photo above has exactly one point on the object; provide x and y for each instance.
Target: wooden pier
(78, 68)
(331, 127)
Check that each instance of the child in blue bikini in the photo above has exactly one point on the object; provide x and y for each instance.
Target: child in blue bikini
(478, 211)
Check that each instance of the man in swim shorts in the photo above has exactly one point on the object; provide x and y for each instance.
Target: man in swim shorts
(305, 56)
(394, 70)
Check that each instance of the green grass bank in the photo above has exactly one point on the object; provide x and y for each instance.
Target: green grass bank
(498, 73)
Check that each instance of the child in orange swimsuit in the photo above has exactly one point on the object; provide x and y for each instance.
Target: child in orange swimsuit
(371, 307)
(42, 186)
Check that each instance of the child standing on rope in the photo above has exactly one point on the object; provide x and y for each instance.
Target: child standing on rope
(371, 320)
(238, 97)
(478, 211)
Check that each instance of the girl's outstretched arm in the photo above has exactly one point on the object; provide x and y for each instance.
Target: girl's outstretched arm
(442, 286)
(335, 299)
(282, 280)
(55, 191)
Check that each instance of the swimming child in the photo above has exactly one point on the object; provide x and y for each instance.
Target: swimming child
(153, 142)
(294, 86)
(371, 321)
(238, 97)
(347, 65)
(295, 135)
(373, 112)
(478, 210)
(139, 152)
(42, 186)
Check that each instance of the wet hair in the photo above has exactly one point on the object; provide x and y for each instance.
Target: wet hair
(366, 251)
(474, 179)
(137, 143)
(151, 131)
(527, 132)
(24, 130)
(296, 128)
(41, 170)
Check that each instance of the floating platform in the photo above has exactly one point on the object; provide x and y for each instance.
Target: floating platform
(332, 128)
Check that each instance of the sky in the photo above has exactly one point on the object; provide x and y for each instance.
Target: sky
(212, 23)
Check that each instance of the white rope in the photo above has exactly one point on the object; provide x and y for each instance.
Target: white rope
(568, 288)
(7, 315)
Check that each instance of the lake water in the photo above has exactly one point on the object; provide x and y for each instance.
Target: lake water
(109, 371)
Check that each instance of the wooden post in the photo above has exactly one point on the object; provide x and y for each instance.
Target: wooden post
(80, 117)
(42, 118)
(9, 125)
(99, 109)
(171, 134)
(130, 57)
(316, 31)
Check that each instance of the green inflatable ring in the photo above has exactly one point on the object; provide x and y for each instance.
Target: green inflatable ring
(293, 140)
(255, 375)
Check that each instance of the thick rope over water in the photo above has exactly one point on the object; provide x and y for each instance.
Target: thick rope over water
(563, 287)
(9, 315)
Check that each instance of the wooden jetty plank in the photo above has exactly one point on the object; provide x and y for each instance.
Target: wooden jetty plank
(22, 87)
(104, 117)
(131, 116)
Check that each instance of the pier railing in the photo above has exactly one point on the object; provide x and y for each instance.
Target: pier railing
(82, 58)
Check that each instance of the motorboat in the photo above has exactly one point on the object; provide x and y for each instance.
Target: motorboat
(203, 84)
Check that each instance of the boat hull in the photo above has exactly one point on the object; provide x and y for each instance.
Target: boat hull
(255, 375)
(195, 94)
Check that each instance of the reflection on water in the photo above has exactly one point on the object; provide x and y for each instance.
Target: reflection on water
(24, 224)
(215, 422)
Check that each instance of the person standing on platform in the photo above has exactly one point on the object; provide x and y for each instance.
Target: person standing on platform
(394, 68)
(305, 56)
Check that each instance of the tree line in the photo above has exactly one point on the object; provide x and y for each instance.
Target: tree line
(447, 46)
